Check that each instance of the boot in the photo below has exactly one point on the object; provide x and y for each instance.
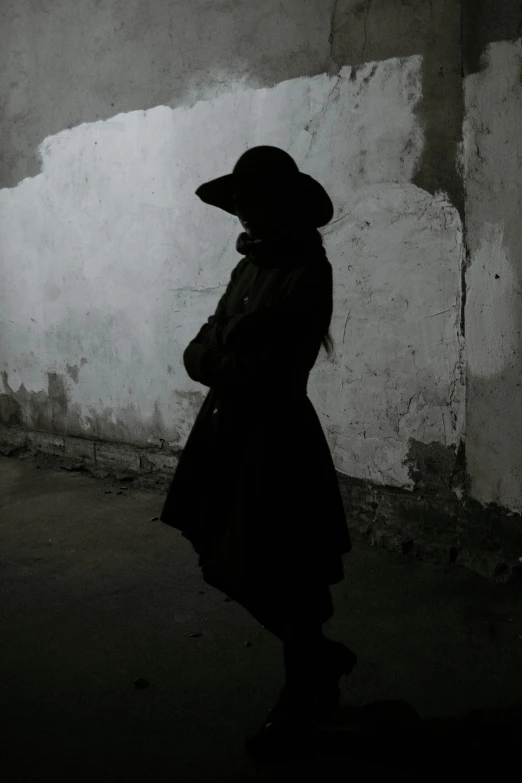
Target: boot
(289, 730)
(338, 661)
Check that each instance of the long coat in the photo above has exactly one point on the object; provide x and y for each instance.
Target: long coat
(255, 490)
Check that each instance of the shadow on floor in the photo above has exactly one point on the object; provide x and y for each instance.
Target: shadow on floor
(385, 735)
(394, 728)
(96, 593)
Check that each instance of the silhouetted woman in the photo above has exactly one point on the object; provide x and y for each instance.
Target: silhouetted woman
(255, 490)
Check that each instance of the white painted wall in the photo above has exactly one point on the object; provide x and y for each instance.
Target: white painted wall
(398, 373)
(493, 155)
(110, 264)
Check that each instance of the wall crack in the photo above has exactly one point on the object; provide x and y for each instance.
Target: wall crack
(368, 7)
(331, 36)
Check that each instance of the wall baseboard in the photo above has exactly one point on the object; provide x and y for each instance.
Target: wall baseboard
(435, 526)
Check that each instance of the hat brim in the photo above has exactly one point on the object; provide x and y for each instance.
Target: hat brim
(310, 193)
(219, 193)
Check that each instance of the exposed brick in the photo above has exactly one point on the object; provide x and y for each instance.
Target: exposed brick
(11, 439)
(164, 462)
(99, 473)
(42, 441)
(116, 457)
(80, 449)
(433, 524)
(436, 527)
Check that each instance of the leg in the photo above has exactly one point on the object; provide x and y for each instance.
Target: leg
(290, 728)
(303, 646)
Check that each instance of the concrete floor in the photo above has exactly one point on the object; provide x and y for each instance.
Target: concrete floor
(95, 594)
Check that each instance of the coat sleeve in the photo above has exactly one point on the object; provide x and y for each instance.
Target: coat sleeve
(261, 347)
(208, 340)
(210, 331)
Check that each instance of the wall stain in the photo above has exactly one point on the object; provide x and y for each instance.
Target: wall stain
(10, 408)
(359, 33)
(483, 22)
(436, 468)
(72, 371)
(401, 29)
(50, 411)
(440, 111)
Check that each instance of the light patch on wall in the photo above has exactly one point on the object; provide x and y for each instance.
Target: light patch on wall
(84, 422)
(494, 295)
(398, 369)
(493, 141)
(134, 263)
(15, 382)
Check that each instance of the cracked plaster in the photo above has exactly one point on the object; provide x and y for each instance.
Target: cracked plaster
(93, 233)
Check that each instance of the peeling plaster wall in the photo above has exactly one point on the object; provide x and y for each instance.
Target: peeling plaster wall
(66, 63)
(493, 144)
(109, 263)
(396, 379)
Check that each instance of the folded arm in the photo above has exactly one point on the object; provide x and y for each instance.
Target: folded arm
(259, 347)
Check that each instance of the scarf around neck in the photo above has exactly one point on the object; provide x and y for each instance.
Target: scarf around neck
(285, 250)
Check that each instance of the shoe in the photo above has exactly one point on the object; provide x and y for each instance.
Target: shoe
(338, 660)
(289, 732)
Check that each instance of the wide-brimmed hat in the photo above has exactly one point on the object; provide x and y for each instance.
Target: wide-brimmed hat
(263, 171)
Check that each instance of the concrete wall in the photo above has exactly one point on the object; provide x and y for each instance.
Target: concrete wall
(116, 111)
(493, 143)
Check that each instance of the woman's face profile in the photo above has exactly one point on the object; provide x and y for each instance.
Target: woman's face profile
(259, 214)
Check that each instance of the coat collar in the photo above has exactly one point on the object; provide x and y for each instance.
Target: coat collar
(282, 251)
